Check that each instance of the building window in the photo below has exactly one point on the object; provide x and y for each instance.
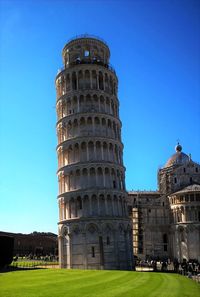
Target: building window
(86, 53)
(149, 210)
(184, 170)
(80, 204)
(165, 240)
(114, 184)
(197, 197)
(140, 250)
(191, 197)
(182, 235)
(196, 169)
(108, 240)
(93, 252)
(190, 179)
(175, 180)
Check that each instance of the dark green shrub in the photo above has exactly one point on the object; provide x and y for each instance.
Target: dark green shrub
(6, 250)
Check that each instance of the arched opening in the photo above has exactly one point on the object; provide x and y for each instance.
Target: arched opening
(109, 205)
(80, 80)
(95, 103)
(70, 155)
(73, 208)
(100, 182)
(82, 126)
(75, 128)
(106, 83)
(79, 206)
(98, 151)
(94, 80)
(83, 152)
(88, 103)
(67, 82)
(69, 130)
(107, 178)
(87, 79)
(74, 104)
(102, 205)
(105, 151)
(84, 181)
(103, 132)
(102, 104)
(109, 128)
(78, 179)
(91, 151)
(89, 126)
(74, 81)
(101, 81)
(94, 204)
(86, 205)
(81, 103)
(111, 155)
(76, 153)
(92, 178)
(69, 108)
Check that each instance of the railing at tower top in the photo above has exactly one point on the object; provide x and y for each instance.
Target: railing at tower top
(87, 36)
(79, 62)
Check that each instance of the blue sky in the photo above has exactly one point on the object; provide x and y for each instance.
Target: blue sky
(155, 48)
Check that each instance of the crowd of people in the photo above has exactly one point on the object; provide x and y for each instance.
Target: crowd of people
(189, 268)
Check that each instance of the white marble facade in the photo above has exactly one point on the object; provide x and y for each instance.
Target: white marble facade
(166, 223)
(95, 231)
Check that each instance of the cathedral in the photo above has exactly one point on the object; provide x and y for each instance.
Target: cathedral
(101, 225)
(166, 223)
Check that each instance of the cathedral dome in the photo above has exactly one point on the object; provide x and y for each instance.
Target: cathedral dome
(178, 158)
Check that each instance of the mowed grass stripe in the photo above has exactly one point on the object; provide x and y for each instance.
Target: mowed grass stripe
(80, 283)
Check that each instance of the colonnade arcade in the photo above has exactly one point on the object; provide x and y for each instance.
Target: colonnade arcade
(184, 214)
(69, 80)
(90, 125)
(81, 151)
(91, 177)
(185, 207)
(90, 205)
(87, 103)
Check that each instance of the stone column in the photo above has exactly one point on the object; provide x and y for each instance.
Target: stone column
(60, 251)
(97, 80)
(78, 104)
(84, 250)
(69, 251)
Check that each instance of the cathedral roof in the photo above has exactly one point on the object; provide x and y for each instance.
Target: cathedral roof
(179, 158)
(190, 188)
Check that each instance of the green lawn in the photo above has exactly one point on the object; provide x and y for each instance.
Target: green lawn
(92, 283)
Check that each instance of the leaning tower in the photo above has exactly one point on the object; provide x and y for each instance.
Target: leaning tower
(94, 228)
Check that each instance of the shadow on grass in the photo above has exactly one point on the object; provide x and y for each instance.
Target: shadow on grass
(12, 268)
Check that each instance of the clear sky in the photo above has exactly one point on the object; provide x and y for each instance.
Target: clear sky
(155, 49)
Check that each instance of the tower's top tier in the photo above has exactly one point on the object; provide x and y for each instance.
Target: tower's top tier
(85, 50)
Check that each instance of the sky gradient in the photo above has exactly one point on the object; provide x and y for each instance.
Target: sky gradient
(155, 48)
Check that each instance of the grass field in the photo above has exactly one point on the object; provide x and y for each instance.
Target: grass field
(79, 283)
